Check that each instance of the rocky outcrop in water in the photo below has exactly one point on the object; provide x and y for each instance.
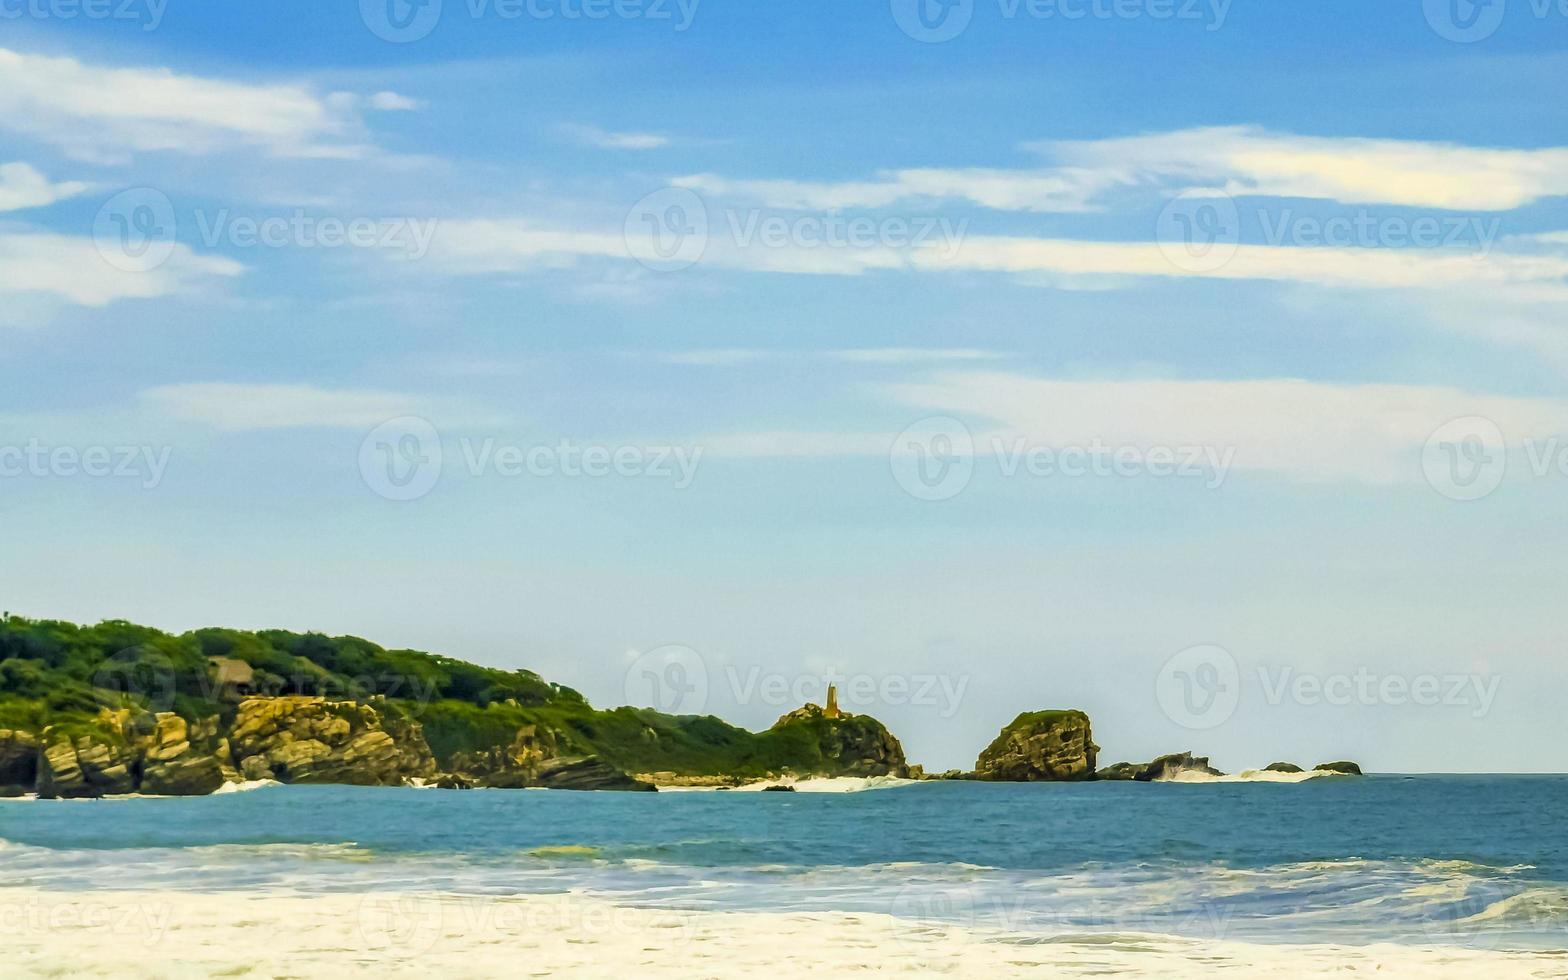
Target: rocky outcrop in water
(1165, 767)
(1040, 746)
(1287, 767)
(78, 765)
(313, 740)
(173, 766)
(589, 773)
(1343, 768)
(18, 762)
(846, 744)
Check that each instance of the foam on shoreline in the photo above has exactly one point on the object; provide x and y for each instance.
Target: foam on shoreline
(1249, 776)
(170, 934)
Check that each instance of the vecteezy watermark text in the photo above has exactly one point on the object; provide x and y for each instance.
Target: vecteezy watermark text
(35, 459)
(678, 680)
(934, 459)
(403, 458)
(147, 13)
(674, 229)
(935, 21)
(405, 21)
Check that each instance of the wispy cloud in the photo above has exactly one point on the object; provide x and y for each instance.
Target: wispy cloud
(231, 407)
(1303, 430)
(1240, 160)
(730, 356)
(23, 187)
(72, 269)
(605, 139)
(107, 114)
(1254, 161)
(1061, 190)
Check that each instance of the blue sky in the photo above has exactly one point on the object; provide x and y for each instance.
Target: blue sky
(1303, 267)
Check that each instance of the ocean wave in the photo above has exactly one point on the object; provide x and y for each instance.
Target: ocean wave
(245, 786)
(1246, 776)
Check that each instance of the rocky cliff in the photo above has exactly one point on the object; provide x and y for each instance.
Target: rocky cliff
(1040, 746)
(841, 744)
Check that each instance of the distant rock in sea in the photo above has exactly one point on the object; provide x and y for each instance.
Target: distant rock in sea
(1040, 746)
(1345, 768)
(1165, 767)
(1282, 767)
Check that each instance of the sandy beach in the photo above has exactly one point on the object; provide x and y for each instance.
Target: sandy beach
(152, 934)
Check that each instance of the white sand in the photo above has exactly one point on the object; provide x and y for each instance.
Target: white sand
(153, 934)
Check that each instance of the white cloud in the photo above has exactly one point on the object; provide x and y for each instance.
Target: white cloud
(913, 355)
(1304, 430)
(1250, 160)
(251, 407)
(107, 114)
(730, 356)
(72, 269)
(483, 246)
(1241, 160)
(23, 187)
(393, 102)
(1352, 268)
(1061, 190)
(606, 140)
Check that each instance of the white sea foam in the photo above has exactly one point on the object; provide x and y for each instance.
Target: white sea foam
(1248, 776)
(245, 786)
(833, 784)
(329, 935)
(814, 784)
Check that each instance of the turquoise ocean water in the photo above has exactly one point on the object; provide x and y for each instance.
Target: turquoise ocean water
(1479, 861)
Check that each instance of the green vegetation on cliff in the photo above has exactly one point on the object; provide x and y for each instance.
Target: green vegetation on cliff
(60, 675)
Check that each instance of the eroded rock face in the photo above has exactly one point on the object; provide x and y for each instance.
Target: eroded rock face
(1167, 766)
(85, 765)
(172, 766)
(313, 740)
(590, 773)
(513, 766)
(1040, 746)
(850, 745)
(18, 762)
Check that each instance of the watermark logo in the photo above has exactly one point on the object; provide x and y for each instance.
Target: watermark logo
(148, 13)
(403, 923)
(1465, 458)
(1368, 689)
(933, 21)
(37, 460)
(933, 459)
(668, 230)
(672, 679)
(411, 236)
(1464, 21)
(139, 674)
(1199, 687)
(400, 21)
(401, 458)
(1199, 231)
(136, 229)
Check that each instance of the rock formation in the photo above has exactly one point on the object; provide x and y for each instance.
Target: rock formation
(313, 740)
(18, 762)
(847, 745)
(1344, 768)
(1289, 767)
(1040, 746)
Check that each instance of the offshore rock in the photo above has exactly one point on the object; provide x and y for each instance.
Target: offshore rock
(1344, 768)
(847, 744)
(313, 740)
(1040, 746)
(18, 762)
